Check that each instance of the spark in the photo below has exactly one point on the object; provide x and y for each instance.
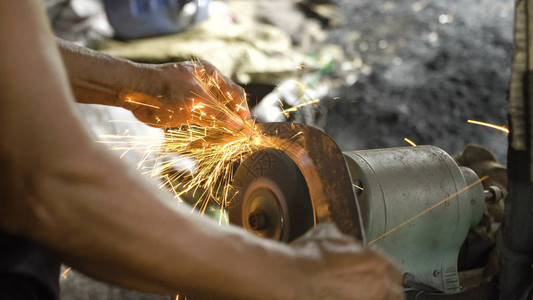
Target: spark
(64, 274)
(501, 128)
(172, 188)
(295, 108)
(141, 103)
(410, 142)
(429, 209)
(197, 106)
(240, 107)
(197, 160)
(355, 185)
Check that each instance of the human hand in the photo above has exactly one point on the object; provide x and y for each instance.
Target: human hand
(187, 93)
(335, 266)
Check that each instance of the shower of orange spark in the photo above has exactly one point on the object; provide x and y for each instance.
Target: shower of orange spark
(64, 274)
(194, 160)
(197, 160)
(410, 142)
(501, 128)
(428, 210)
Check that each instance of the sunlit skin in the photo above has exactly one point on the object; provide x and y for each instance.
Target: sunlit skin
(208, 90)
(208, 140)
(158, 95)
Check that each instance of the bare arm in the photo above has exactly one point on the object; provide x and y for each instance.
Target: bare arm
(60, 189)
(103, 79)
(100, 79)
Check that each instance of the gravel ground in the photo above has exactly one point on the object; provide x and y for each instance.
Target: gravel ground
(428, 67)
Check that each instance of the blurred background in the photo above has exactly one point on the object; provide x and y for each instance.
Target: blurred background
(368, 72)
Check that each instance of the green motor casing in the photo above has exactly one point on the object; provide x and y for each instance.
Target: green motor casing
(422, 197)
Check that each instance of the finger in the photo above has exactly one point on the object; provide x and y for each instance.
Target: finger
(147, 116)
(207, 66)
(145, 108)
(214, 104)
(230, 92)
(213, 114)
(169, 119)
(233, 98)
(238, 99)
(243, 110)
(394, 269)
(221, 97)
(328, 231)
(330, 238)
(395, 292)
(397, 274)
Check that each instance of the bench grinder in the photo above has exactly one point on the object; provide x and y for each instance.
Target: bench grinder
(415, 203)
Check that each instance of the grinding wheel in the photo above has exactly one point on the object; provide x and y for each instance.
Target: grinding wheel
(299, 181)
(272, 198)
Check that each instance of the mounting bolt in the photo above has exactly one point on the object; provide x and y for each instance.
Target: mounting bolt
(493, 194)
(257, 220)
(436, 273)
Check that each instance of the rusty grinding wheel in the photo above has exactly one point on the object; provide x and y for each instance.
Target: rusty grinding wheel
(282, 191)
(273, 199)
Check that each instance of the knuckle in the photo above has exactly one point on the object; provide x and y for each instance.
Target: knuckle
(205, 65)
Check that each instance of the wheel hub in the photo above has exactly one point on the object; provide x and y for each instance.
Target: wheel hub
(272, 198)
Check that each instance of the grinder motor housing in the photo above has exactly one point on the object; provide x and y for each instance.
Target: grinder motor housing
(415, 203)
(425, 185)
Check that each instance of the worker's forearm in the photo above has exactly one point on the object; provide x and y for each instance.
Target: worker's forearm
(103, 79)
(115, 227)
(58, 188)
